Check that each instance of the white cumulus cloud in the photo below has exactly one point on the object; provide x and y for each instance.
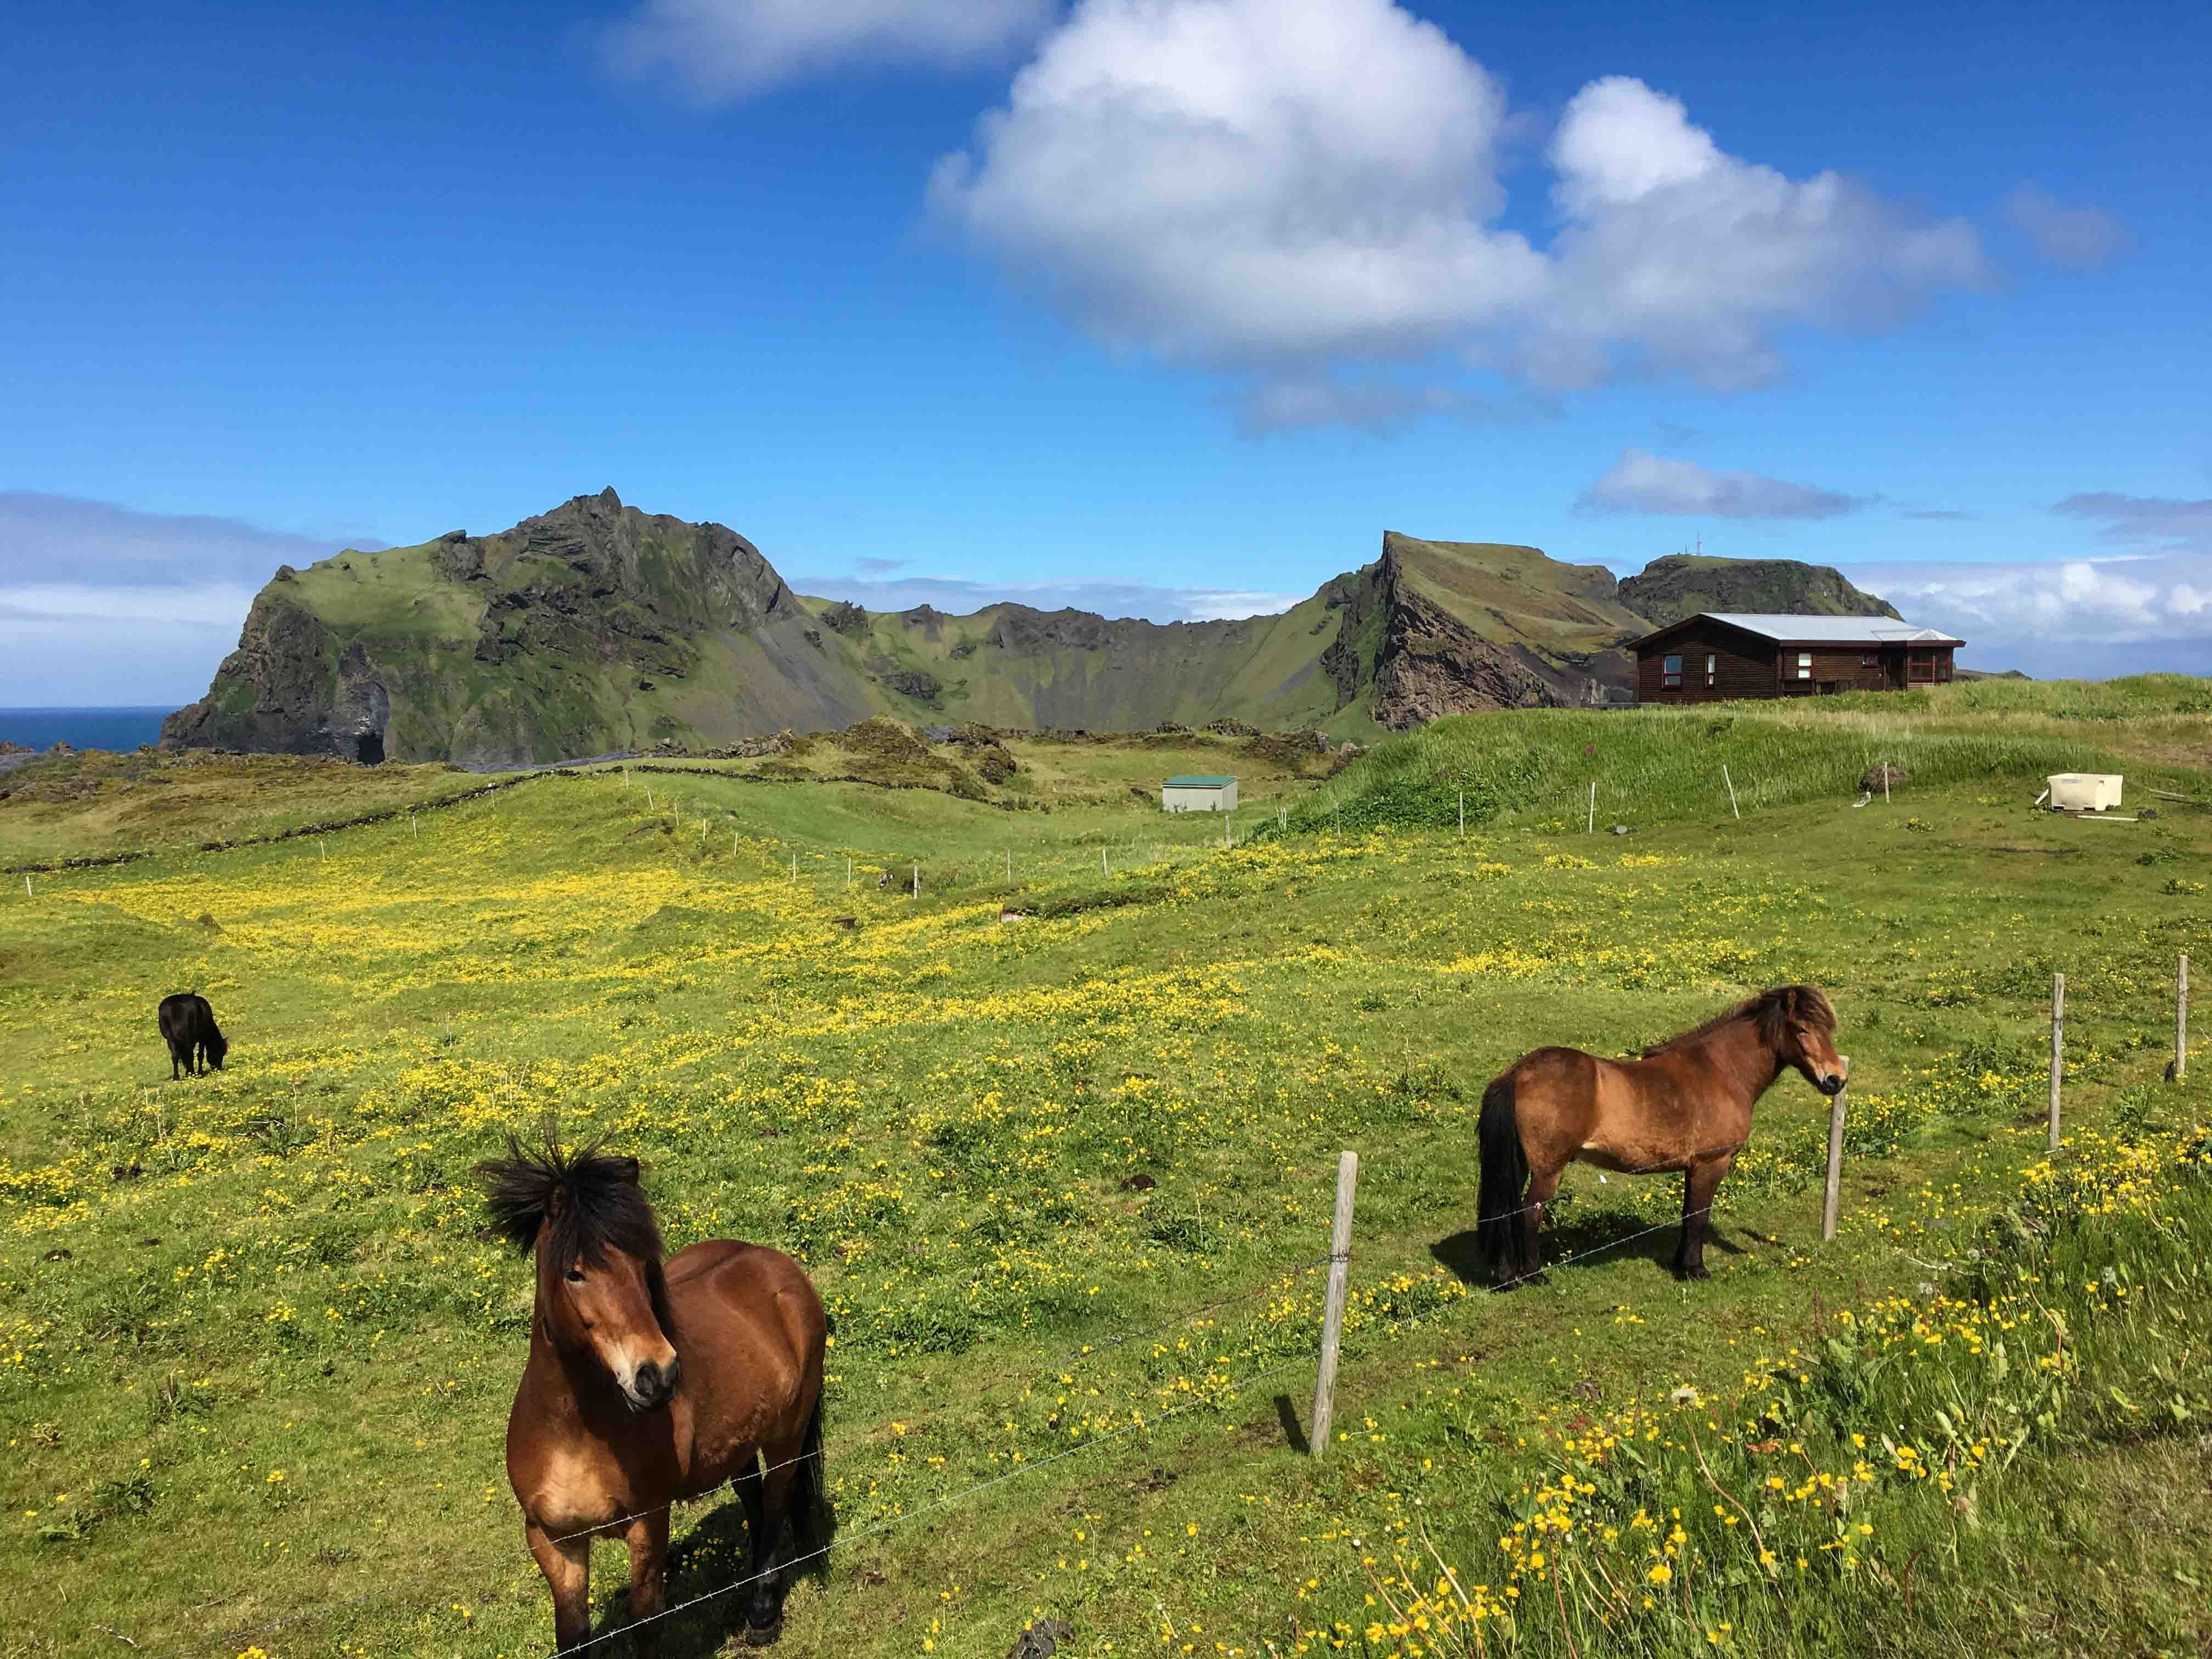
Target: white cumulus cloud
(731, 48)
(1640, 482)
(1270, 187)
(1248, 179)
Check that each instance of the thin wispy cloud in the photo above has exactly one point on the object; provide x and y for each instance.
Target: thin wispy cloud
(1640, 482)
(1216, 182)
(99, 604)
(727, 49)
(2077, 238)
(97, 543)
(1947, 514)
(1290, 405)
(2182, 523)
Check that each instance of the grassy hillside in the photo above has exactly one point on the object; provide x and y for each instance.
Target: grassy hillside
(1681, 584)
(1656, 764)
(255, 1310)
(1566, 616)
(94, 804)
(1124, 677)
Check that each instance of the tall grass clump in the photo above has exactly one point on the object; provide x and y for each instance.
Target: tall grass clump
(1665, 764)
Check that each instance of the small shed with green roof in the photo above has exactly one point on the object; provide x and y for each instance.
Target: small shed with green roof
(1199, 791)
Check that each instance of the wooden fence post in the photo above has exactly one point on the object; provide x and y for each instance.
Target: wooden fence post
(1332, 1319)
(917, 881)
(1730, 781)
(1833, 1202)
(1885, 783)
(794, 869)
(2181, 1020)
(1102, 862)
(2057, 1047)
(1226, 842)
(1462, 814)
(1010, 864)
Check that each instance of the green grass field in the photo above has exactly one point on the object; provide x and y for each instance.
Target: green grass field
(255, 1358)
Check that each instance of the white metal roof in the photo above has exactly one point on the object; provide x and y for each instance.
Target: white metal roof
(1837, 630)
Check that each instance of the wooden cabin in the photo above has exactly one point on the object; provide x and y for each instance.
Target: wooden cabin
(1715, 656)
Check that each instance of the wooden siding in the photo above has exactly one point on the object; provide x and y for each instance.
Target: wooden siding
(1745, 666)
(1739, 670)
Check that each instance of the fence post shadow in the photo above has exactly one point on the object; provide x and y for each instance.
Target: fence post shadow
(1294, 1434)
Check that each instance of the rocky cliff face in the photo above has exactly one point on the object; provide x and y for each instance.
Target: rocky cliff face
(1411, 660)
(514, 646)
(1667, 590)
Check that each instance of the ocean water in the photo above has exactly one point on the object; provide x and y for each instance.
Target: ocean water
(81, 728)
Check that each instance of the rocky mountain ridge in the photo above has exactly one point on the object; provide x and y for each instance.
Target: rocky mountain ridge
(596, 627)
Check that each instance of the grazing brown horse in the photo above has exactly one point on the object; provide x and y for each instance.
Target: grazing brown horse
(649, 1382)
(1685, 1105)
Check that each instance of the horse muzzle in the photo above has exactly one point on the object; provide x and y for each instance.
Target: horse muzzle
(1832, 1084)
(650, 1385)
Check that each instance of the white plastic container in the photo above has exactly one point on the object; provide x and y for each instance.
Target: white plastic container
(2085, 792)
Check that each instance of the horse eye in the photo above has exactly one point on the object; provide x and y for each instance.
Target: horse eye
(575, 1275)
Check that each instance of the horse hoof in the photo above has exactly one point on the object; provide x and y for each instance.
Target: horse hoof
(1538, 1277)
(761, 1636)
(1692, 1273)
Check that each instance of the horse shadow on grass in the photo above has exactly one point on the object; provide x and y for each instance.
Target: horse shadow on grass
(708, 1560)
(1582, 1240)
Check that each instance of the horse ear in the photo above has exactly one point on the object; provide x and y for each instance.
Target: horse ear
(628, 1168)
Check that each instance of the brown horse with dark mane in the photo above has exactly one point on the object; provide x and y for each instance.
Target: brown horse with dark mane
(650, 1382)
(1684, 1106)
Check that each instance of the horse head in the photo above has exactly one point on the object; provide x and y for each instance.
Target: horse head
(583, 1216)
(1798, 1023)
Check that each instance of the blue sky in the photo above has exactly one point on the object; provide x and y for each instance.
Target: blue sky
(1163, 306)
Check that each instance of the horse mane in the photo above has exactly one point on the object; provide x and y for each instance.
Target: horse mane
(1770, 1009)
(590, 1199)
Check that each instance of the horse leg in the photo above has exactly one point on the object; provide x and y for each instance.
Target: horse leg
(1543, 1185)
(1700, 1182)
(648, 1579)
(764, 1618)
(763, 1623)
(567, 1564)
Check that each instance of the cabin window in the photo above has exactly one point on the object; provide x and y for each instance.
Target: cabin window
(1922, 666)
(1804, 664)
(1712, 668)
(1670, 671)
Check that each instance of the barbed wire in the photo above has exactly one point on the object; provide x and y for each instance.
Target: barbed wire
(1080, 1355)
(949, 1499)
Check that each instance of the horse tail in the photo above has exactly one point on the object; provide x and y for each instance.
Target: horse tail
(1504, 1175)
(813, 1523)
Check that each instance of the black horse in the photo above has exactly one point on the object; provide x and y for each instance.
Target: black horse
(189, 1028)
